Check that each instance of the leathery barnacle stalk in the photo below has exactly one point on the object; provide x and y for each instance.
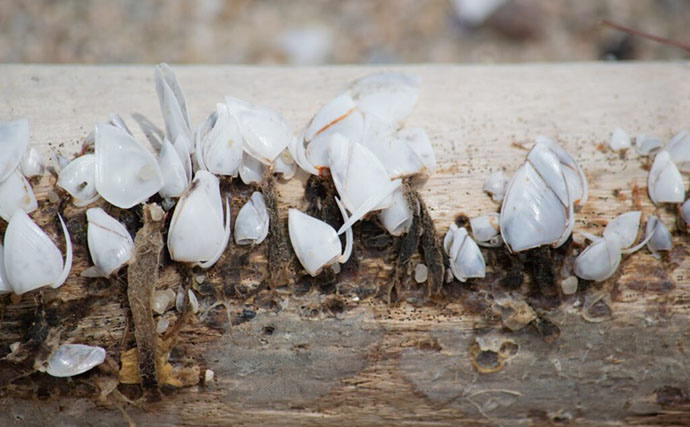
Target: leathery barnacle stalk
(358, 139)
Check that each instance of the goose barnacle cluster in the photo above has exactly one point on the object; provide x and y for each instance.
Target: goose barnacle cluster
(18, 161)
(600, 260)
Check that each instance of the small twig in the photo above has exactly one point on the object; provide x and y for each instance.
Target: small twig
(635, 32)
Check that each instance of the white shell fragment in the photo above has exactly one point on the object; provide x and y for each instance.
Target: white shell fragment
(173, 106)
(466, 260)
(14, 140)
(193, 302)
(600, 260)
(31, 259)
(251, 225)
(162, 300)
(647, 144)
(110, 244)
(175, 176)
(619, 140)
(685, 213)
(496, 185)
(74, 359)
(486, 230)
(197, 233)
(251, 170)
(665, 183)
(569, 285)
(126, 172)
(316, 243)
(421, 273)
(658, 235)
(32, 163)
(16, 193)
(78, 178)
(537, 209)
(397, 218)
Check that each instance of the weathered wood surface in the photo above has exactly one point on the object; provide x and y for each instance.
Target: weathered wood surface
(320, 353)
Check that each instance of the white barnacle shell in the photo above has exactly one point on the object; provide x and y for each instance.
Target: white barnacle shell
(625, 228)
(197, 233)
(599, 260)
(16, 193)
(486, 230)
(251, 170)
(220, 147)
(397, 218)
(14, 140)
(5, 286)
(360, 179)
(679, 150)
(173, 106)
(685, 213)
(316, 243)
(126, 172)
(389, 96)
(536, 209)
(647, 144)
(403, 153)
(266, 133)
(31, 259)
(74, 359)
(285, 165)
(575, 178)
(665, 183)
(78, 178)
(466, 260)
(619, 140)
(659, 236)
(175, 175)
(32, 163)
(110, 244)
(251, 225)
(496, 185)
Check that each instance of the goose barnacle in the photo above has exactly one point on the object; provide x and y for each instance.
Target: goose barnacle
(220, 143)
(31, 259)
(397, 218)
(316, 243)
(496, 185)
(126, 172)
(665, 183)
(16, 193)
(390, 97)
(110, 244)
(486, 230)
(659, 236)
(32, 163)
(74, 359)
(264, 131)
(575, 178)
(679, 150)
(647, 144)
(619, 140)
(14, 140)
(173, 106)
(600, 260)
(251, 225)
(537, 209)
(360, 179)
(176, 174)
(466, 260)
(78, 178)
(251, 170)
(197, 233)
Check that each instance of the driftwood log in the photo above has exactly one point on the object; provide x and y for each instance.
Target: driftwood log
(332, 350)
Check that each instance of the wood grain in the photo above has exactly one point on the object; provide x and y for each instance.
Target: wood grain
(332, 352)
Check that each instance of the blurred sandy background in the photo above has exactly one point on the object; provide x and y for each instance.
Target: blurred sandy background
(335, 31)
